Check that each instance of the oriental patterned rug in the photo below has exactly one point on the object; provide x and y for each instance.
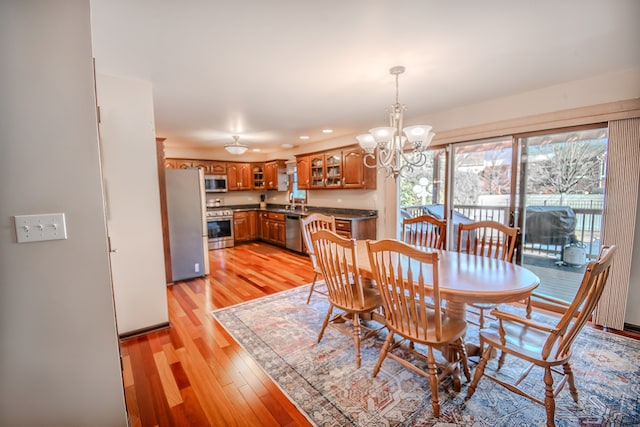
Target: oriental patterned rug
(280, 332)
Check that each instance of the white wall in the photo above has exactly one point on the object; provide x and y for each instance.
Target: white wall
(59, 363)
(130, 171)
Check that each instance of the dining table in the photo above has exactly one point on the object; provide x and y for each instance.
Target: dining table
(465, 278)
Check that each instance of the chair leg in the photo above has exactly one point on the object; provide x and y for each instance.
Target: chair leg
(383, 353)
(572, 386)
(501, 359)
(479, 370)
(326, 322)
(356, 336)
(462, 353)
(549, 399)
(433, 380)
(313, 285)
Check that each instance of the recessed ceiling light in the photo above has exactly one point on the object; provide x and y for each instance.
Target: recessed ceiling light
(304, 136)
(286, 145)
(256, 150)
(327, 130)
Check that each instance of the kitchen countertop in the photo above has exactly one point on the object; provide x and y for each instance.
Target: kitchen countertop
(350, 214)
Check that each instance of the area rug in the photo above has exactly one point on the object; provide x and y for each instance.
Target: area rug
(280, 332)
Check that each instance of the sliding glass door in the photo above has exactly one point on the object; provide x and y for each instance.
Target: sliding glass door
(562, 195)
(550, 185)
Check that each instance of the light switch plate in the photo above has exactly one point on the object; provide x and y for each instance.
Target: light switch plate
(37, 228)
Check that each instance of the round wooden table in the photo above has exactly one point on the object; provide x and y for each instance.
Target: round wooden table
(468, 278)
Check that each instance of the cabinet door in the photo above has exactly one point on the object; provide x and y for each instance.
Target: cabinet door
(244, 176)
(201, 164)
(333, 170)
(252, 223)
(232, 177)
(302, 167)
(271, 175)
(275, 175)
(316, 170)
(353, 168)
(217, 168)
(264, 226)
(257, 172)
(184, 163)
(240, 227)
(279, 232)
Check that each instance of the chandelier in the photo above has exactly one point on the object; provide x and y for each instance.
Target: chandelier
(399, 150)
(236, 147)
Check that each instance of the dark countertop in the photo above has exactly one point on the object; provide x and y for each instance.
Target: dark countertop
(351, 214)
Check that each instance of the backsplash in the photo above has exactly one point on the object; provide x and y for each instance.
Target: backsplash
(342, 199)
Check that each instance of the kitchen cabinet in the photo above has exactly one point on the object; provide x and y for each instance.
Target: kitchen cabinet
(275, 175)
(326, 170)
(257, 176)
(239, 176)
(210, 167)
(244, 226)
(335, 169)
(357, 228)
(302, 168)
(217, 168)
(272, 228)
(355, 175)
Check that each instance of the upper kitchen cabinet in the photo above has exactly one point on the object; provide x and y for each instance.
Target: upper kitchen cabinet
(335, 169)
(275, 175)
(302, 168)
(239, 176)
(354, 173)
(217, 168)
(257, 173)
(326, 170)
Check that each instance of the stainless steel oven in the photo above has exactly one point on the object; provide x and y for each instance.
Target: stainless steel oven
(219, 228)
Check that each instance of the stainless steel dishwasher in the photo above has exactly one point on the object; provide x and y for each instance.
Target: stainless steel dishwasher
(293, 238)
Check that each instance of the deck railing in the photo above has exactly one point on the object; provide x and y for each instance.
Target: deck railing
(587, 230)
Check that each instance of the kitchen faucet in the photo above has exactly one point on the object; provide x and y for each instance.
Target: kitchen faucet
(292, 201)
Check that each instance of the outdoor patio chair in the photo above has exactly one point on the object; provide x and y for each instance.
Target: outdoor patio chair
(336, 257)
(399, 271)
(311, 224)
(424, 230)
(487, 238)
(542, 345)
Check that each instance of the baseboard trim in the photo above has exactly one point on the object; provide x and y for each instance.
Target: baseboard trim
(632, 328)
(144, 331)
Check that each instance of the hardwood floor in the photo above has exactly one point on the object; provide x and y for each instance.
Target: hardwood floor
(194, 373)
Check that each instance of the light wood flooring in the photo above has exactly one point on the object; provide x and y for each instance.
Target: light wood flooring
(194, 373)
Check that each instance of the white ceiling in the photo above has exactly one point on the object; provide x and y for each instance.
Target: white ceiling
(271, 71)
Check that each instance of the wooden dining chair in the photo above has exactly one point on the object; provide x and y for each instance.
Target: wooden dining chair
(405, 276)
(311, 224)
(336, 258)
(490, 239)
(424, 230)
(545, 346)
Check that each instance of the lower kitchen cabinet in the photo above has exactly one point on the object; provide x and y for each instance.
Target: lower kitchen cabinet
(245, 226)
(357, 228)
(272, 228)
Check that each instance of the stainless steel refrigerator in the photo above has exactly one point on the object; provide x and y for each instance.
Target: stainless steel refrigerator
(187, 223)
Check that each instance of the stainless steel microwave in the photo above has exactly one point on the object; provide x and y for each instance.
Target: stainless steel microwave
(215, 183)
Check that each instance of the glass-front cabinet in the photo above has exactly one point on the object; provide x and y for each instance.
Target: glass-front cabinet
(326, 170)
